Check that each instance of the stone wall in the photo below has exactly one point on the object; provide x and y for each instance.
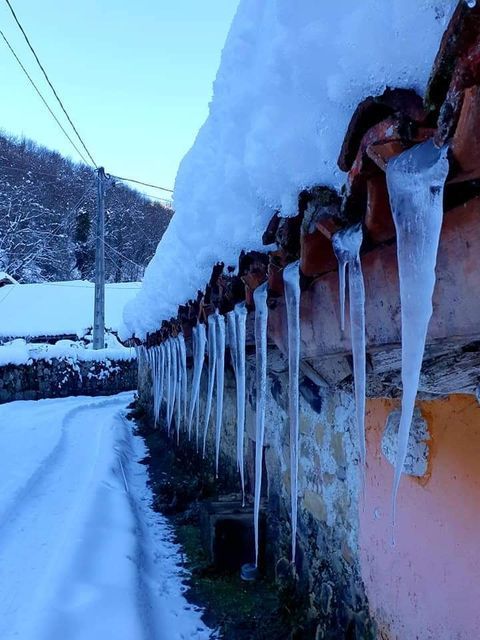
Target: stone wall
(327, 567)
(58, 378)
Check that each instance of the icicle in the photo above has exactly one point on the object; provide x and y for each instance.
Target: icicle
(212, 358)
(291, 279)
(178, 388)
(160, 378)
(346, 245)
(232, 339)
(155, 385)
(241, 322)
(220, 372)
(261, 318)
(194, 375)
(163, 362)
(342, 265)
(172, 381)
(168, 385)
(416, 181)
(183, 366)
(197, 424)
(199, 339)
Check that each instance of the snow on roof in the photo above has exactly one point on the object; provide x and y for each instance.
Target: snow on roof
(59, 308)
(6, 278)
(290, 78)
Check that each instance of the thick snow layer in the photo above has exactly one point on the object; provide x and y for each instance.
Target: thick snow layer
(290, 78)
(59, 308)
(82, 554)
(21, 352)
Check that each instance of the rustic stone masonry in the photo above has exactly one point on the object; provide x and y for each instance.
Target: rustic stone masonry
(327, 575)
(58, 378)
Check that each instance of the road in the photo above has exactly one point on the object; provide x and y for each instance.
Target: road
(82, 555)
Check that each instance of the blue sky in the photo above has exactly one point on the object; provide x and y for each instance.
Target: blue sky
(135, 75)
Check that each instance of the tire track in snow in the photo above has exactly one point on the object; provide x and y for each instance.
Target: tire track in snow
(83, 556)
(21, 496)
(32, 538)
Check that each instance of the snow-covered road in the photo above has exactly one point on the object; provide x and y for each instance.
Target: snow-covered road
(82, 555)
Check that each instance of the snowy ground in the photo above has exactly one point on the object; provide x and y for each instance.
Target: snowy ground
(82, 555)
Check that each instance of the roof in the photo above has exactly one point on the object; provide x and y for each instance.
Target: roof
(5, 278)
(289, 81)
(59, 308)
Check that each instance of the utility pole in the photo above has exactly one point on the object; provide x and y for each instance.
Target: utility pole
(99, 307)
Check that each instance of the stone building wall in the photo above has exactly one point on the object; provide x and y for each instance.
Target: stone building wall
(328, 572)
(58, 378)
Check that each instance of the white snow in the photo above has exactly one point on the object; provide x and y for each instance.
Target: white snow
(290, 77)
(59, 308)
(82, 555)
(20, 352)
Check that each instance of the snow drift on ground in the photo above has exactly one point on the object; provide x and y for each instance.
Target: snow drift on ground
(19, 351)
(82, 554)
(59, 308)
(290, 78)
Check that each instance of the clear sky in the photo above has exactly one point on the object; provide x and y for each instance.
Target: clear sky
(135, 75)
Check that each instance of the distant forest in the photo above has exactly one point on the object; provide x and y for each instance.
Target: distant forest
(47, 219)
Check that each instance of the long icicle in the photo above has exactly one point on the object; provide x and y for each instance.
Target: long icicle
(183, 365)
(291, 279)
(220, 373)
(162, 377)
(156, 385)
(232, 339)
(199, 343)
(416, 181)
(163, 365)
(168, 386)
(261, 320)
(202, 345)
(178, 389)
(212, 358)
(241, 330)
(346, 245)
(194, 374)
(233, 345)
(153, 370)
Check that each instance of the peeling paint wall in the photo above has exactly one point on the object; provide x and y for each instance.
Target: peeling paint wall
(428, 585)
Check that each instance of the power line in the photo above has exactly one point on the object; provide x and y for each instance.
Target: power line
(50, 84)
(42, 98)
(109, 246)
(145, 184)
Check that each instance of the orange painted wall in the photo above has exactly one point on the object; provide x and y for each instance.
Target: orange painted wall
(428, 585)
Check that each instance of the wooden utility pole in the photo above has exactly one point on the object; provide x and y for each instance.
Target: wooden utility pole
(99, 306)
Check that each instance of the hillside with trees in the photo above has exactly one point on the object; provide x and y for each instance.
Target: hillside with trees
(47, 219)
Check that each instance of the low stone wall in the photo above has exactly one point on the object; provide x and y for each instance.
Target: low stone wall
(328, 574)
(58, 378)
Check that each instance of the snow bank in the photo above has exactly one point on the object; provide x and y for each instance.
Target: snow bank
(290, 78)
(59, 308)
(19, 352)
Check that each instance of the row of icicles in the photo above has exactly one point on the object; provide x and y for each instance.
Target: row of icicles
(416, 180)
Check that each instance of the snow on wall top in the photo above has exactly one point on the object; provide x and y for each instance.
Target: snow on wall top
(59, 308)
(290, 78)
